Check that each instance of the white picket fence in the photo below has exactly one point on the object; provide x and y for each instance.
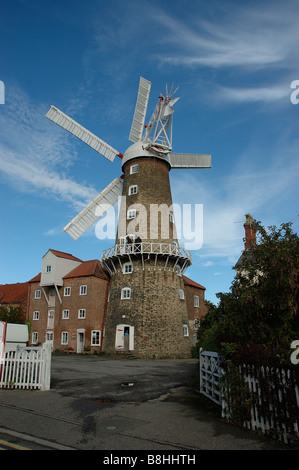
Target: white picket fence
(273, 392)
(27, 368)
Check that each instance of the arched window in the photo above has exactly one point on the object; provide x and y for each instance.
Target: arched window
(185, 329)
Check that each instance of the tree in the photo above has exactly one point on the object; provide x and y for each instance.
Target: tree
(11, 314)
(261, 309)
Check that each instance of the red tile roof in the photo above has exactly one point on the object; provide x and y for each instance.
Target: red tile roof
(61, 254)
(13, 293)
(88, 268)
(36, 278)
(189, 282)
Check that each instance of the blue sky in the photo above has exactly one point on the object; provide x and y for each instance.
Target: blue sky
(233, 62)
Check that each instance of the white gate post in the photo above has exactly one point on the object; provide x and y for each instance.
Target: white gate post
(46, 361)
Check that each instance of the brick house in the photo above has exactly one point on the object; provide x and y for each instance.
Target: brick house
(14, 295)
(195, 300)
(67, 300)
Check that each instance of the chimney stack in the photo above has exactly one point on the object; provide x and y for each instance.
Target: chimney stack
(250, 236)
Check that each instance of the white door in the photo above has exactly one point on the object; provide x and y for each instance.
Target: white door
(50, 324)
(124, 338)
(80, 341)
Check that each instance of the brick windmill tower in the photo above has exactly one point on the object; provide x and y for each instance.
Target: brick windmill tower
(146, 312)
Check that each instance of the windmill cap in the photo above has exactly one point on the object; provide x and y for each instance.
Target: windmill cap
(138, 150)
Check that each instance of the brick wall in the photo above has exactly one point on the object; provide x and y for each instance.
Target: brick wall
(154, 309)
(93, 303)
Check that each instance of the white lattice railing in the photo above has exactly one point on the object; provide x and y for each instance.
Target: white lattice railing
(147, 248)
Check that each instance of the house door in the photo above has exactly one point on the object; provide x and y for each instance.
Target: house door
(80, 341)
(124, 338)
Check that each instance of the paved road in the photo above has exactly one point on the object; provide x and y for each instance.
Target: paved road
(119, 404)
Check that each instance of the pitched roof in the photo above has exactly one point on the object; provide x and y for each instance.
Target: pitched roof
(13, 293)
(36, 278)
(189, 282)
(88, 268)
(61, 254)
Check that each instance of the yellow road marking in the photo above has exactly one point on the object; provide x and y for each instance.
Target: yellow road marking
(4, 445)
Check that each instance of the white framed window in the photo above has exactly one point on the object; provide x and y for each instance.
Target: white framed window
(83, 290)
(95, 338)
(181, 293)
(126, 293)
(196, 301)
(37, 294)
(65, 314)
(82, 313)
(133, 190)
(128, 268)
(171, 217)
(64, 337)
(134, 168)
(35, 315)
(185, 329)
(131, 214)
(67, 291)
(196, 324)
(48, 269)
(178, 270)
(34, 337)
(49, 336)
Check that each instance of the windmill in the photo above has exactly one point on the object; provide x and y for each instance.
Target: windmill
(136, 268)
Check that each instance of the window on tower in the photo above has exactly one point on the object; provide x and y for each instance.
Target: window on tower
(126, 293)
(131, 214)
(128, 268)
(134, 169)
(133, 190)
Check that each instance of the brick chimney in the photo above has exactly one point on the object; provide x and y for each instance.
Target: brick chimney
(250, 236)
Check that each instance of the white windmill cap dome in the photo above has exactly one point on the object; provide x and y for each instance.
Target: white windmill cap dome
(141, 149)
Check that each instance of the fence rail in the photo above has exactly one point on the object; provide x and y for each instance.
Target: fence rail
(26, 368)
(270, 403)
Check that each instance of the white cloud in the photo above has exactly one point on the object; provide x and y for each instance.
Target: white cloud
(252, 186)
(35, 157)
(261, 36)
(267, 94)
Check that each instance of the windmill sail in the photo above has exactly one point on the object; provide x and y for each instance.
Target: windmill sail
(190, 160)
(95, 209)
(140, 110)
(83, 134)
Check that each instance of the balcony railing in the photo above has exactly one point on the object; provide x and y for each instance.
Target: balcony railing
(146, 248)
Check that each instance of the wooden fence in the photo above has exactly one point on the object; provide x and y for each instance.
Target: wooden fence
(264, 399)
(26, 368)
